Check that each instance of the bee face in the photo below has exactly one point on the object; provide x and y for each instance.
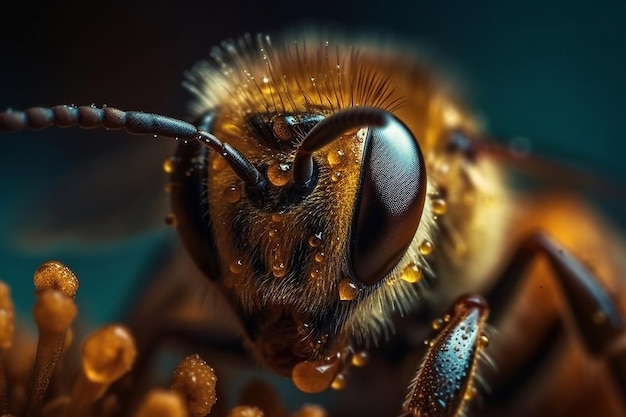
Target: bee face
(335, 182)
(314, 270)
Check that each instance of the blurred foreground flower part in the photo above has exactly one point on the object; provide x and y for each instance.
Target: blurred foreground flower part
(49, 377)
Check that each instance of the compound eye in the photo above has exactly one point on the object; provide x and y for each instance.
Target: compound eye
(389, 202)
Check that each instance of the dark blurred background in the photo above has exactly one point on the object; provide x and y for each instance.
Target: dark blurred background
(554, 72)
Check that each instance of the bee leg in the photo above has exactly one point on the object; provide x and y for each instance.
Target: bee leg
(598, 317)
(444, 382)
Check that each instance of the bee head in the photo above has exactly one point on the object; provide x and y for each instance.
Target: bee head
(311, 202)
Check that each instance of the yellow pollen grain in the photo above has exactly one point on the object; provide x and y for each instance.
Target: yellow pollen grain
(55, 275)
(196, 381)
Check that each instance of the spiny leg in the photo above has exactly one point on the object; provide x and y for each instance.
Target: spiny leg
(445, 381)
(600, 322)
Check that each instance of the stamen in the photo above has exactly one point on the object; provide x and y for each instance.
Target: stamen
(7, 334)
(195, 381)
(162, 403)
(53, 313)
(107, 355)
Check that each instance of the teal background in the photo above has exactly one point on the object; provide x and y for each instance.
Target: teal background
(553, 72)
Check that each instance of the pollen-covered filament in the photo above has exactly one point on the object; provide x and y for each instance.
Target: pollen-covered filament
(445, 380)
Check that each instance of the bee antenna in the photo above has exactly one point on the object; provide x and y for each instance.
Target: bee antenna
(330, 129)
(239, 163)
(134, 122)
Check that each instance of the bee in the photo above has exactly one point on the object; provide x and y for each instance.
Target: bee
(329, 185)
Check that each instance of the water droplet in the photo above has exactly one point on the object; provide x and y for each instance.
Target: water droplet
(336, 158)
(470, 393)
(360, 358)
(339, 382)
(232, 194)
(320, 256)
(412, 273)
(278, 173)
(447, 318)
(170, 219)
(426, 248)
(437, 324)
(483, 341)
(335, 176)
(273, 233)
(236, 266)
(347, 290)
(169, 165)
(439, 206)
(279, 269)
(315, 240)
(313, 377)
(315, 274)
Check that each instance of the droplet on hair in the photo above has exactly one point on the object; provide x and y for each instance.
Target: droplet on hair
(347, 290)
(340, 381)
(236, 266)
(315, 240)
(439, 206)
(232, 193)
(483, 341)
(336, 158)
(335, 176)
(412, 273)
(437, 324)
(313, 377)
(426, 248)
(279, 269)
(360, 359)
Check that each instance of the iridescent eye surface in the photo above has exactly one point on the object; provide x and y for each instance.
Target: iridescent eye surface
(389, 201)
